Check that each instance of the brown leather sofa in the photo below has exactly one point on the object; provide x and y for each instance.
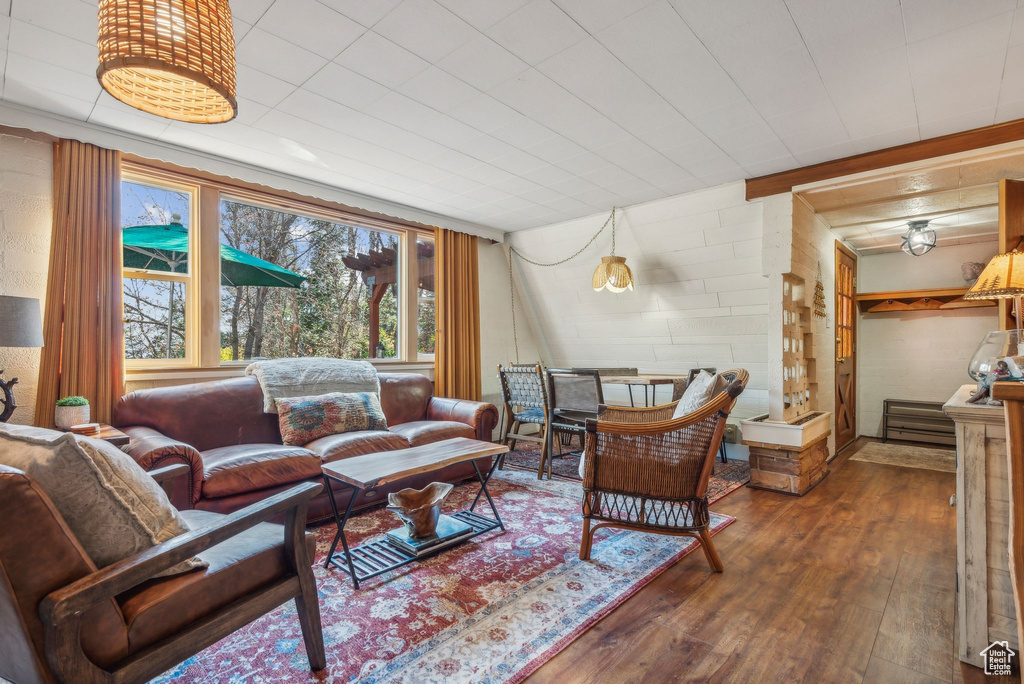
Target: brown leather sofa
(234, 449)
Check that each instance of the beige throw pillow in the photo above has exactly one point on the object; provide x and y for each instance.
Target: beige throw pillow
(109, 502)
(697, 393)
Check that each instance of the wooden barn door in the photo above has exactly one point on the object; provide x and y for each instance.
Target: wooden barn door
(846, 346)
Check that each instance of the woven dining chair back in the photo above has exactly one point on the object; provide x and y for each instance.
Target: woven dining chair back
(523, 386)
(575, 389)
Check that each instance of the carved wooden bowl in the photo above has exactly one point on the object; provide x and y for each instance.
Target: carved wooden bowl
(420, 509)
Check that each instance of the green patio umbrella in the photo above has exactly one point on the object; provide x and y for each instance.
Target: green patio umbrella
(165, 248)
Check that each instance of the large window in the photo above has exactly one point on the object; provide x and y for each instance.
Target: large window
(346, 305)
(158, 241)
(219, 274)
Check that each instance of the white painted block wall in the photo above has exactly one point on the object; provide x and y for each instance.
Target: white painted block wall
(26, 206)
(920, 355)
(700, 297)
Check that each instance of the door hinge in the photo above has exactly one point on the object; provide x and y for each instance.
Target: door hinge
(854, 282)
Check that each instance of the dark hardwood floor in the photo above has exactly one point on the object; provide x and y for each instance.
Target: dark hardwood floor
(853, 582)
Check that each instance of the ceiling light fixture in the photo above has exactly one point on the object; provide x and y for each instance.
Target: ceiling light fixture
(171, 58)
(919, 238)
(613, 273)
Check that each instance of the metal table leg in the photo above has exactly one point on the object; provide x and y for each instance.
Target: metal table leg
(483, 490)
(340, 535)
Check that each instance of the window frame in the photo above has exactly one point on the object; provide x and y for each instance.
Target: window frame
(204, 294)
(415, 275)
(189, 280)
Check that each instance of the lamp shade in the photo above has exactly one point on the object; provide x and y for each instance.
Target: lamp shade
(1002, 278)
(172, 58)
(614, 274)
(20, 322)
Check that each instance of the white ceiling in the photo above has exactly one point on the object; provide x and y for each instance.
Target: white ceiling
(519, 113)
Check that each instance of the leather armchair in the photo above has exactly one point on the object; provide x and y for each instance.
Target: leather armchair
(62, 619)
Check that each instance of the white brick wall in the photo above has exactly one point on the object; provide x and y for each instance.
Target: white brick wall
(700, 298)
(26, 191)
(919, 355)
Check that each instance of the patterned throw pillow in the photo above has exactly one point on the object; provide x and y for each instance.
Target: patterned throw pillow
(304, 419)
(696, 395)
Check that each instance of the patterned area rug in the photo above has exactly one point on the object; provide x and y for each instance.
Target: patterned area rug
(726, 478)
(907, 456)
(493, 610)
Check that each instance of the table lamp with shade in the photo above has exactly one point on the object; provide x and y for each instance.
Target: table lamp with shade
(1000, 356)
(20, 326)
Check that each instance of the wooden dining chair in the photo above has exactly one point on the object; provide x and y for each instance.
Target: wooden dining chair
(525, 395)
(575, 395)
(644, 470)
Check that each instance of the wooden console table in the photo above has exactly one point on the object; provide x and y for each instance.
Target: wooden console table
(984, 590)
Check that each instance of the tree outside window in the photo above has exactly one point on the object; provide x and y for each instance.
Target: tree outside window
(348, 306)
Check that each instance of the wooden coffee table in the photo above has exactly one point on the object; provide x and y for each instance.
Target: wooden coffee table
(373, 470)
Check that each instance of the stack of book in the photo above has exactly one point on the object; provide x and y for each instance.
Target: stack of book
(448, 533)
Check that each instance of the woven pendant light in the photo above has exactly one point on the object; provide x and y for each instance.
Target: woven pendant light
(612, 273)
(172, 58)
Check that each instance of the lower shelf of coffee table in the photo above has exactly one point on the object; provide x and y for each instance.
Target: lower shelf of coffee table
(377, 557)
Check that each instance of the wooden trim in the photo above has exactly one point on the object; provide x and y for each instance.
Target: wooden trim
(282, 199)
(785, 181)
(1012, 396)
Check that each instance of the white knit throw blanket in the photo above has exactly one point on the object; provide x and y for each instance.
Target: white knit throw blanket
(310, 377)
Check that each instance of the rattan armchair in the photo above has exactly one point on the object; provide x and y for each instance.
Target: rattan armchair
(645, 471)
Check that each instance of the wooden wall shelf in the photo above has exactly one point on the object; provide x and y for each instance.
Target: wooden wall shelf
(919, 300)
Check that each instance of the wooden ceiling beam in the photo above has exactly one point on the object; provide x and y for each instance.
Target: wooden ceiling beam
(785, 181)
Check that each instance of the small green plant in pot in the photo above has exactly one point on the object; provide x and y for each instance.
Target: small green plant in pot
(71, 411)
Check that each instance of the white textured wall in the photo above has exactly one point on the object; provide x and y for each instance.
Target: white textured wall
(496, 339)
(919, 355)
(700, 298)
(26, 191)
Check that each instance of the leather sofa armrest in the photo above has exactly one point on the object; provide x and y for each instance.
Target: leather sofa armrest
(479, 415)
(152, 449)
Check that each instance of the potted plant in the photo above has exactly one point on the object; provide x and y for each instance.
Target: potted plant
(71, 411)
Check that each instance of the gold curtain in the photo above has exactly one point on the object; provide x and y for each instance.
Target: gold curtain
(457, 353)
(82, 321)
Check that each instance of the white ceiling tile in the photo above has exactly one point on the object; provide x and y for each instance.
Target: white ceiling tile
(482, 63)
(438, 90)
(249, 11)
(260, 87)
(249, 111)
(52, 48)
(960, 122)
(590, 72)
(69, 18)
(524, 133)
(279, 58)
(380, 60)
(537, 31)
(555, 149)
(366, 12)
(30, 72)
(425, 28)
(312, 25)
(483, 14)
(239, 28)
(343, 85)
(597, 15)
(485, 114)
(32, 95)
(927, 18)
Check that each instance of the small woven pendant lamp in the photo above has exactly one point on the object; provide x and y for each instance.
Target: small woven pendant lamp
(172, 58)
(612, 273)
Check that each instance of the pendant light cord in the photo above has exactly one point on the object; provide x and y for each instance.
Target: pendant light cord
(511, 284)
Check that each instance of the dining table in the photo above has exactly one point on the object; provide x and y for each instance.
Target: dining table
(650, 383)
